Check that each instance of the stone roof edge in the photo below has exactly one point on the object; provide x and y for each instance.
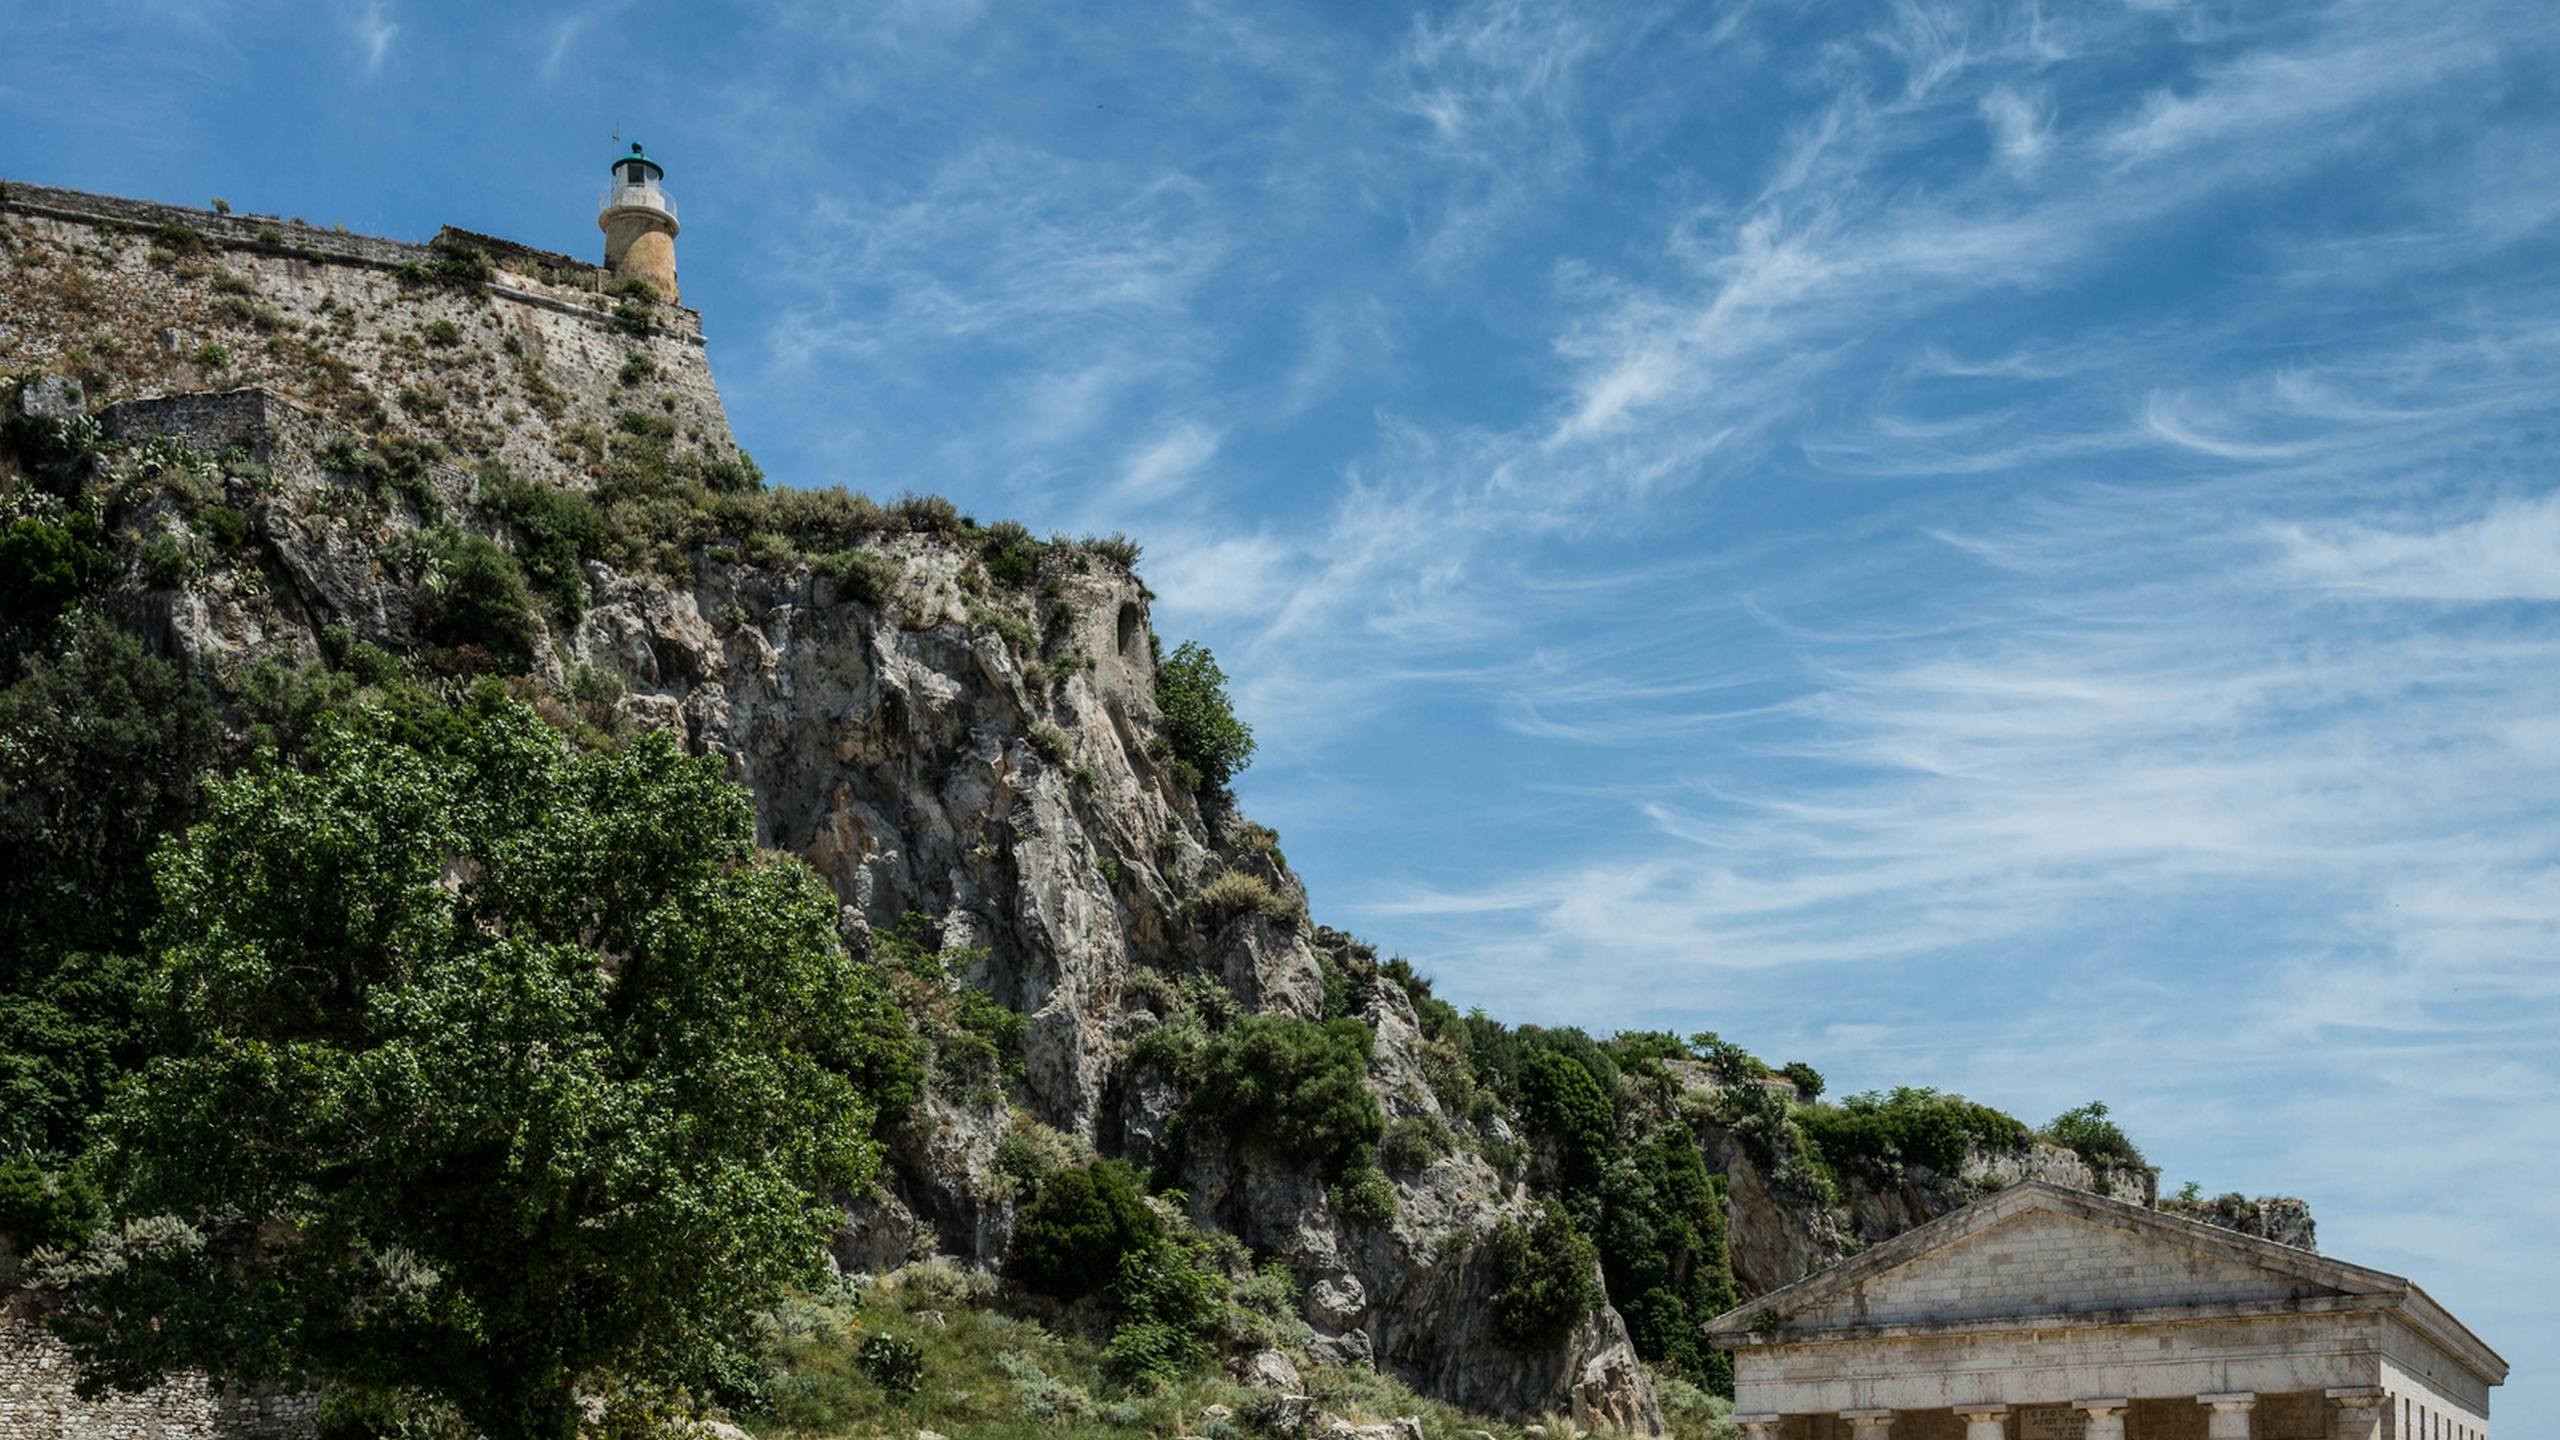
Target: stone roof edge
(2399, 1294)
(2450, 1335)
(2145, 1315)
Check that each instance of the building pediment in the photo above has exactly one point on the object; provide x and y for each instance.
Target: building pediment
(2038, 1256)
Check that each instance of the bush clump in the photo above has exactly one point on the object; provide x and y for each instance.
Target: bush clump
(2086, 1131)
(866, 575)
(1167, 1306)
(892, 1362)
(1543, 1272)
(1296, 1087)
(557, 533)
(1009, 552)
(1231, 893)
(477, 597)
(1364, 1197)
(1910, 1125)
(1070, 1239)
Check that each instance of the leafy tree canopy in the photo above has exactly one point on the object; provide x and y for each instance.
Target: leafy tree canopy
(488, 1073)
(100, 747)
(1210, 745)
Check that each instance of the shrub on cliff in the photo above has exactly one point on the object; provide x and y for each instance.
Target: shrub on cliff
(1908, 1125)
(476, 596)
(1663, 1254)
(1562, 1099)
(1168, 1307)
(1543, 1277)
(1010, 554)
(1068, 1242)
(482, 1030)
(2088, 1133)
(45, 564)
(101, 743)
(1230, 893)
(1299, 1088)
(1210, 745)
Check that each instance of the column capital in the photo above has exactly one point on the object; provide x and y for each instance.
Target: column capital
(1872, 1423)
(1988, 1410)
(2358, 1395)
(2227, 1400)
(2103, 1406)
(1760, 1427)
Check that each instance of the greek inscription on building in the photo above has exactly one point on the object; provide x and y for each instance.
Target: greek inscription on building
(2052, 1422)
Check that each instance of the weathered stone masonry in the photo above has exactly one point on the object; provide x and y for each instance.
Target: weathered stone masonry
(527, 367)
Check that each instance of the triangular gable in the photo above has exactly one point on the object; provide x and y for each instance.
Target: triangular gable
(2042, 1249)
(1976, 1268)
(2045, 1262)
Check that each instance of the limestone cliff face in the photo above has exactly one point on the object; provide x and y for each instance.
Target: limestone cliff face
(924, 762)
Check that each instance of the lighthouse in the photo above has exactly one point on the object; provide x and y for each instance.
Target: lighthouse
(639, 222)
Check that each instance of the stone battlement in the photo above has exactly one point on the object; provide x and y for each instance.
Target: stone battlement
(531, 359)
(547, 270)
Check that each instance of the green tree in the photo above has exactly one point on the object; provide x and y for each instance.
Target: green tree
(1664, 1256)
(487, 1074)
(1210, 745)
(1561, 1099)
(101, 746)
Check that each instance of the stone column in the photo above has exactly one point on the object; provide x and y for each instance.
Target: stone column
(1984, 1422)
(1868, 1424)
(2356, 1411)
(2106, 1417)
(1759, 1427)
(2230, 1418)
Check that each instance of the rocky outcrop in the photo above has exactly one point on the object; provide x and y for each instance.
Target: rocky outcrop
(2280, 1218)
(924, 762)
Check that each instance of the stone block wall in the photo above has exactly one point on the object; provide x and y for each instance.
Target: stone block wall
(530, 366)
(37, 1401)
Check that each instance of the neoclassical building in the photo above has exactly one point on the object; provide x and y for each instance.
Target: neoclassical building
(2042, 1313)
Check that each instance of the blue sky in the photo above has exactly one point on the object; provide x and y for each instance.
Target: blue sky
(2007, 548)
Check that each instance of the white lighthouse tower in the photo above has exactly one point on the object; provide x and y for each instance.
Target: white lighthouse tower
(639, 222)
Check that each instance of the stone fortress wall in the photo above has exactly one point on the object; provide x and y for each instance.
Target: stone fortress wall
(521, 355)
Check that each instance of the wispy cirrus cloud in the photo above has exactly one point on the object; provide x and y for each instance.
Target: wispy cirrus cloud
(374, 30)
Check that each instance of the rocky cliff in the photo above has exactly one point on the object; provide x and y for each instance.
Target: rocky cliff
(946, 720)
